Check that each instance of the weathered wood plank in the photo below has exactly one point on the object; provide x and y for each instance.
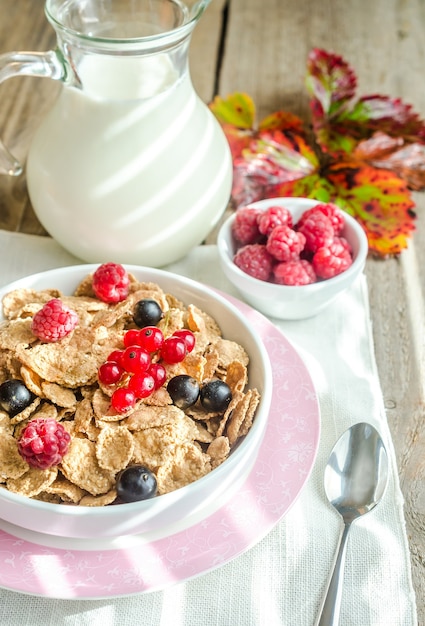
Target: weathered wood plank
(23, 101)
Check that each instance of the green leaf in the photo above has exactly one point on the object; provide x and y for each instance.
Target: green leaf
(238, 110)
(330, 81)
(313, 186)
(379, 200)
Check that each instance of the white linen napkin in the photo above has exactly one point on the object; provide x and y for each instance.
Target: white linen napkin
(280, 581)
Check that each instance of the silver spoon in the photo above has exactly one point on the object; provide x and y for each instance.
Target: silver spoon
(355, 479)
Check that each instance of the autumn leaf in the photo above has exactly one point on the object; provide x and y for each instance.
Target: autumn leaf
(275, 152)
(379, 200)
(392, 153)
(346, 122)
(365, 153)
(238, 110)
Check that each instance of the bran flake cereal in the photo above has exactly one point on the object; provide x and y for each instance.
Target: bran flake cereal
(177, 446)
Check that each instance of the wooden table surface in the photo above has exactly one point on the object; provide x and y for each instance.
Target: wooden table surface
(260, 47)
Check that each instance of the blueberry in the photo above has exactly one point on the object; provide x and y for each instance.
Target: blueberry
(147, 312)
(136, 483)
(14, 396)
(215, 396)
(184, 390)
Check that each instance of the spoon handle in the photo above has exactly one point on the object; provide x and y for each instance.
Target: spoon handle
(331, 602)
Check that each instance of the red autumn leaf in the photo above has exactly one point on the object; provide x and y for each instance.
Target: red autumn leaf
(330, 80)
(346, 121)
(406, 160)
(390, 115)
(379, 200)
(281, 120)
(237, 138)
(272, 157)
(366, 154)
(236, 115)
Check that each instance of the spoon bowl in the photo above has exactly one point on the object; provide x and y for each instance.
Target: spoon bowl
(355, 479)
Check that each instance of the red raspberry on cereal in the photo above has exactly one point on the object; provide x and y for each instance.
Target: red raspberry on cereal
(254, 260)
(54, 321)
(318, 231)
(285, 244)
(295, 273)
(245, 227)
(272, 217)
(333, 260)
(43, 443)
(331, 211)
(111, 282)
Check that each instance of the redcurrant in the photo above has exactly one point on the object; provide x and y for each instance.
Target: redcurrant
(110, 373)
(187, 336)
(159, 374)
(142, 385)
(135, 359)
(123, 399)
(173, 350)
(131, 337)
(116, 356)
(151, 338)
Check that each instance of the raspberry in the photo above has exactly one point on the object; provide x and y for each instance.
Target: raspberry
(54, 321)
(254, 260)
(344, 243)
(43, 443)
(111, 282)
(331, 211)
(294, 273)
(285, 244)
(331, 261)
(273, 216)
(245, 226)
(318, 231)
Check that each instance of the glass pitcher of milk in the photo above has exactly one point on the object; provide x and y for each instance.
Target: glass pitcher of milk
(129, 165)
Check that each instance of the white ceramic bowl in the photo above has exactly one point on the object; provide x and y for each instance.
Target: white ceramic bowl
(291, 302)
(194, 501)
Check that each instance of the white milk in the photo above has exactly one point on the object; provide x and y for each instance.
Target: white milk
(134, 168)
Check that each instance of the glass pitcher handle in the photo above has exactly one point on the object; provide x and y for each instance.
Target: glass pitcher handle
(43, 64)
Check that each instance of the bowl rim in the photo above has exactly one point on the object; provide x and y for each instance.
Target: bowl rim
(111, 511)
(224, 249)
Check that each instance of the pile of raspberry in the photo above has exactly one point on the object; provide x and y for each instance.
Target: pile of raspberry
(270, 247)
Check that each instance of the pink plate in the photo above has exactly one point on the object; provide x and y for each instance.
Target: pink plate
(131, 565)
